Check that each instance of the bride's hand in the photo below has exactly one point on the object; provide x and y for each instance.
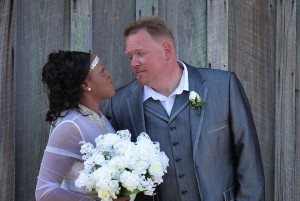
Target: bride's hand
(123, 198)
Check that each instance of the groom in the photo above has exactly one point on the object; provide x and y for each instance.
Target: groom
(214, 155)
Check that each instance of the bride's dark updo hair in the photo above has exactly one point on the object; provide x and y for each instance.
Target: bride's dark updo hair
(63, 75)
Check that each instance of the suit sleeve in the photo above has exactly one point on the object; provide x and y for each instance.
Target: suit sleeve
(109, 114)
(249, 166)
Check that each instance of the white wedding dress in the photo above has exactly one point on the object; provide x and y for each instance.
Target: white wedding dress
(62, 161)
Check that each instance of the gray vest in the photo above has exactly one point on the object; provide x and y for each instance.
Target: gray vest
(174, 135)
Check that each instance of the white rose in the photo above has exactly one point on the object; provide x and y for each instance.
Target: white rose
(146, 149)
(129, 180)
(117, 163)
(193, 95)
(156, 169)
(164, 160)
(103, 176)
(124, 148)
(140, 167)
(107, 140)
(104, 194)
(85, 180)
(98, 158)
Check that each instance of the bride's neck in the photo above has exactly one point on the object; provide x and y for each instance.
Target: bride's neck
(95, 107)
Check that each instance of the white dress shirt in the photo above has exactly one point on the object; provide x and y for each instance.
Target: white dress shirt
(168, 102)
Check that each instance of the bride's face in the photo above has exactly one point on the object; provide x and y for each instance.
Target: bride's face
(100, 82)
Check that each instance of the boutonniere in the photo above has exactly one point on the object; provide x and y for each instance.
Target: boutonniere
(196, 101)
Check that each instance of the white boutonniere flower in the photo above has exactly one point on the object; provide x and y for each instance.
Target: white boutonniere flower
(196, 101)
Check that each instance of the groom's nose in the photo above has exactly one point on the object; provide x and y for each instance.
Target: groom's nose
(135, 62)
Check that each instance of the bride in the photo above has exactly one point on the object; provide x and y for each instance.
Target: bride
(76, 83)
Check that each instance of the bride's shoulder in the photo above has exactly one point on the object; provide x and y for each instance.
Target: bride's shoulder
(67, 121)
(67, 116)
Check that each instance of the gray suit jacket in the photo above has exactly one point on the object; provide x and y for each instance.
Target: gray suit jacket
(226, 150)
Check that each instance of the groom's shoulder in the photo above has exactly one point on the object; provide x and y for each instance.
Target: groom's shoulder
(128, 88)
(210, 73)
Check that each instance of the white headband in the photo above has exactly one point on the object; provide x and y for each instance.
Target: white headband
(94, 63)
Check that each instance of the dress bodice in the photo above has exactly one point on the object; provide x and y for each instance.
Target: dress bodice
(62, 162)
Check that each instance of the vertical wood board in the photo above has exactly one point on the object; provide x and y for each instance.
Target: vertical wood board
(146, 8)
(187, 20)
(285, 153)
(81, 25)
(297, 104)
(217, 34)
(109, 21)
(40, 29)
(7, 140)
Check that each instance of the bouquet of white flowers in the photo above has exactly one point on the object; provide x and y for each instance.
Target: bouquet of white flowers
(117, 166)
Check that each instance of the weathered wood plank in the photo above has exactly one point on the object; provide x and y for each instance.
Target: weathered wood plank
(81, 25)
(297, 104)
(7, 139)
(217, 34)
(109, 20)
(285, 152)
(146, 8)
(251, 55)
(265, 123)
(41, 27)
(187, 20)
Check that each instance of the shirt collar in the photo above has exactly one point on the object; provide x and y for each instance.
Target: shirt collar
(183, 86)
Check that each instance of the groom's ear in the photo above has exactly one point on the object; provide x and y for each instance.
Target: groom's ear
(167, 49)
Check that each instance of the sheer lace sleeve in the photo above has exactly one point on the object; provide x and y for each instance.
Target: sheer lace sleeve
(62, 151)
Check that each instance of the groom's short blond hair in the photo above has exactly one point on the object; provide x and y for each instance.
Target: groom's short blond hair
(155, 26)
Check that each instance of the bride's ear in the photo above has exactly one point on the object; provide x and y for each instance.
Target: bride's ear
(85, 87)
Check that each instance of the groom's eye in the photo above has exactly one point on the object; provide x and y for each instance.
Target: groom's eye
(140, 53)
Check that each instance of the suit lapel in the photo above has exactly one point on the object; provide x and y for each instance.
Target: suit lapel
(155, 107)
(135, 108)
(181, 101)
(196, 83)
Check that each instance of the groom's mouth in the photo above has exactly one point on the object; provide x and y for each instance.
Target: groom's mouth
(138, 73)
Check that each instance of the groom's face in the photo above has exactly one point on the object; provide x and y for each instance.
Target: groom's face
(146, 56)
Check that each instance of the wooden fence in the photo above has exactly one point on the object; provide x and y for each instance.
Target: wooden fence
(257, 39)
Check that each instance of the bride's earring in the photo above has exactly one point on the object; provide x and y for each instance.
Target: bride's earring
(89, 89)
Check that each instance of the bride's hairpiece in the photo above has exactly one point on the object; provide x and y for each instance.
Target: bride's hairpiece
(94, 63)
